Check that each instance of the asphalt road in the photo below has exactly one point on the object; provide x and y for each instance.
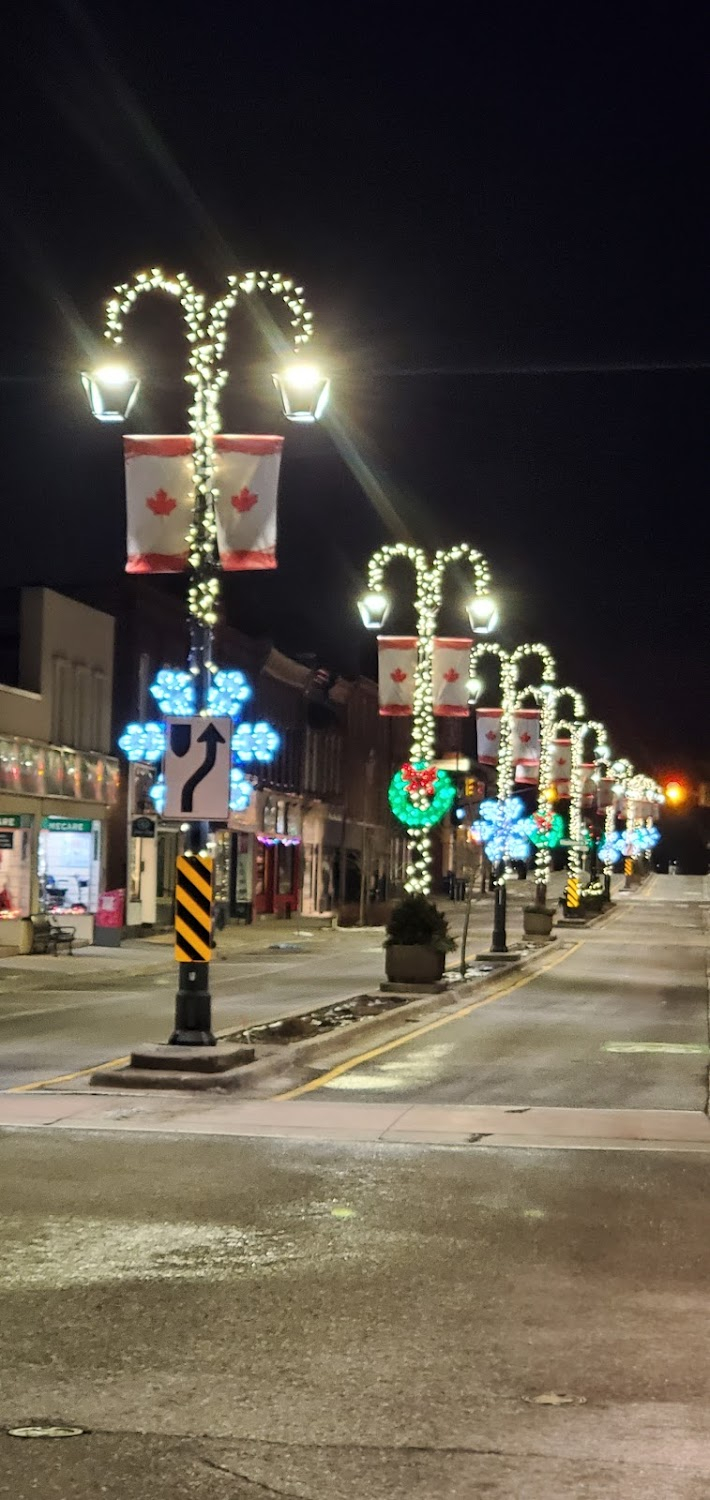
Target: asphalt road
(253, 1319)
(637, 981)
(58, 1030)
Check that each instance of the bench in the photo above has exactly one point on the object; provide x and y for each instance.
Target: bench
(49, 937)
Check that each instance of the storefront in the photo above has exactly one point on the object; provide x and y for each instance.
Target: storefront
(53, 806)
(15, 865)
(69, 865)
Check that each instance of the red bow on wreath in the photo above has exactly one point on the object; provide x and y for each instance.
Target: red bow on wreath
(419, 781)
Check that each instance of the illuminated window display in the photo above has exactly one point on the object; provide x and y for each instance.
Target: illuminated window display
(15, 865)
(69, 864)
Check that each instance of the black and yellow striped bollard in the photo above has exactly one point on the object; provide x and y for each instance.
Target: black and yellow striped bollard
(194, 896)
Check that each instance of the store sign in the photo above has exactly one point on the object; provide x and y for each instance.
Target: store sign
(17, 820)
(67, 825)
(143, 828)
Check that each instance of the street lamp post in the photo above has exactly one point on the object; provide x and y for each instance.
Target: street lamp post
(550, 700)
(509, 665)
(374, 609)
(579, 732)
(111, 391)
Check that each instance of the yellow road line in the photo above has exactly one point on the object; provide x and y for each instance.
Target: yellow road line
(413, 1036)
(46, 1083)
(116, 1062)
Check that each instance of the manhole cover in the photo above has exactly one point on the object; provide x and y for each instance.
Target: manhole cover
(45, 1432)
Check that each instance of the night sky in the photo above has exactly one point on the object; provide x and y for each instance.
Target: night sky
(502, 227)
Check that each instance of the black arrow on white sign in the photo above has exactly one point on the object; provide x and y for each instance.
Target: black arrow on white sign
(210, 738)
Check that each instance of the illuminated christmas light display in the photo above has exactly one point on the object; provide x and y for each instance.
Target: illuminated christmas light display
(174, 692)
(502, 829)
(551, 699)
(420, 795)
(545, 828)
(143, 742)
(429, 582)
(256, 742)
(240, 790)
(228, 691)
(303, 391)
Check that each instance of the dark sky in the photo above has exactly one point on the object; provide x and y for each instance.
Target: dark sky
(502, 225)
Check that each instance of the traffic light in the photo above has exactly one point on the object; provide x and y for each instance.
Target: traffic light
(675, 793)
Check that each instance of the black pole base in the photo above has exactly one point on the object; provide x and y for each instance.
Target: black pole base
(193, 1008)
(498, 940)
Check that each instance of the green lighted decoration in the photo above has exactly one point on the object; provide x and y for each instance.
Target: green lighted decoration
(420, 795)
(545, 829)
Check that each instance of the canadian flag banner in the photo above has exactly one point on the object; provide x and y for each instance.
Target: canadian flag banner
(527, 775)
(525, 739)
(561, 766)
(589, 786)
(488, 735)
(605, 792)
(397, 659)
(450, 677)
(246, 478)
(158, 503)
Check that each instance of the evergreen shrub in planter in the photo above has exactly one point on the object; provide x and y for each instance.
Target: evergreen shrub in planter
(417, 942)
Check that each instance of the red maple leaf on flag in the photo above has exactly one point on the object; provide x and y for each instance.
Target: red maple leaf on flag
(161, 503)
(491, 735)
(451, 676)
(560, 760)
(525, 738)
(245, 500)
(398, 675)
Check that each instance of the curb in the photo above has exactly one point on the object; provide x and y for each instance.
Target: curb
(346, 1041)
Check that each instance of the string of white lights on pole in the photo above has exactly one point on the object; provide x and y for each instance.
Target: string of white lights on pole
(429, 581)
(206, 332)
(509, 668)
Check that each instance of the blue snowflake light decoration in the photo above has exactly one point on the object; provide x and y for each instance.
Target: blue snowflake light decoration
(240, 790)
(611, 848)
(174, 692)
(157, 794)
(501, 829)
(255, 742)
(228, 693)
(143, 742)
(175, 695)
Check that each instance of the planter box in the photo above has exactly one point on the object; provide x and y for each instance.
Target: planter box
(413, 963)
(537, 921)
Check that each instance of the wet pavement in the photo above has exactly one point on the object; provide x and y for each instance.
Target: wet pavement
(256, 1318)
(54, 1021)
(619, 1021)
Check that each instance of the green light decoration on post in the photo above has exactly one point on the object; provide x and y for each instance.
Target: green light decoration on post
(545, 829)
(420, 795)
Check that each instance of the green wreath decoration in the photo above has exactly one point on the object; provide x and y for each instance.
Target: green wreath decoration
(420, 795)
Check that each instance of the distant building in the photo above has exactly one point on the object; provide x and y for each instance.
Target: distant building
(58, 781)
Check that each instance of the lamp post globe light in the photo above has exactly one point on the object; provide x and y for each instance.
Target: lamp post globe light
(111, 391)
(427, 794)
(510, 664)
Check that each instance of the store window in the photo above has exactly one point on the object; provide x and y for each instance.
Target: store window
(15, 865)
(286, 869)
(69, 864)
